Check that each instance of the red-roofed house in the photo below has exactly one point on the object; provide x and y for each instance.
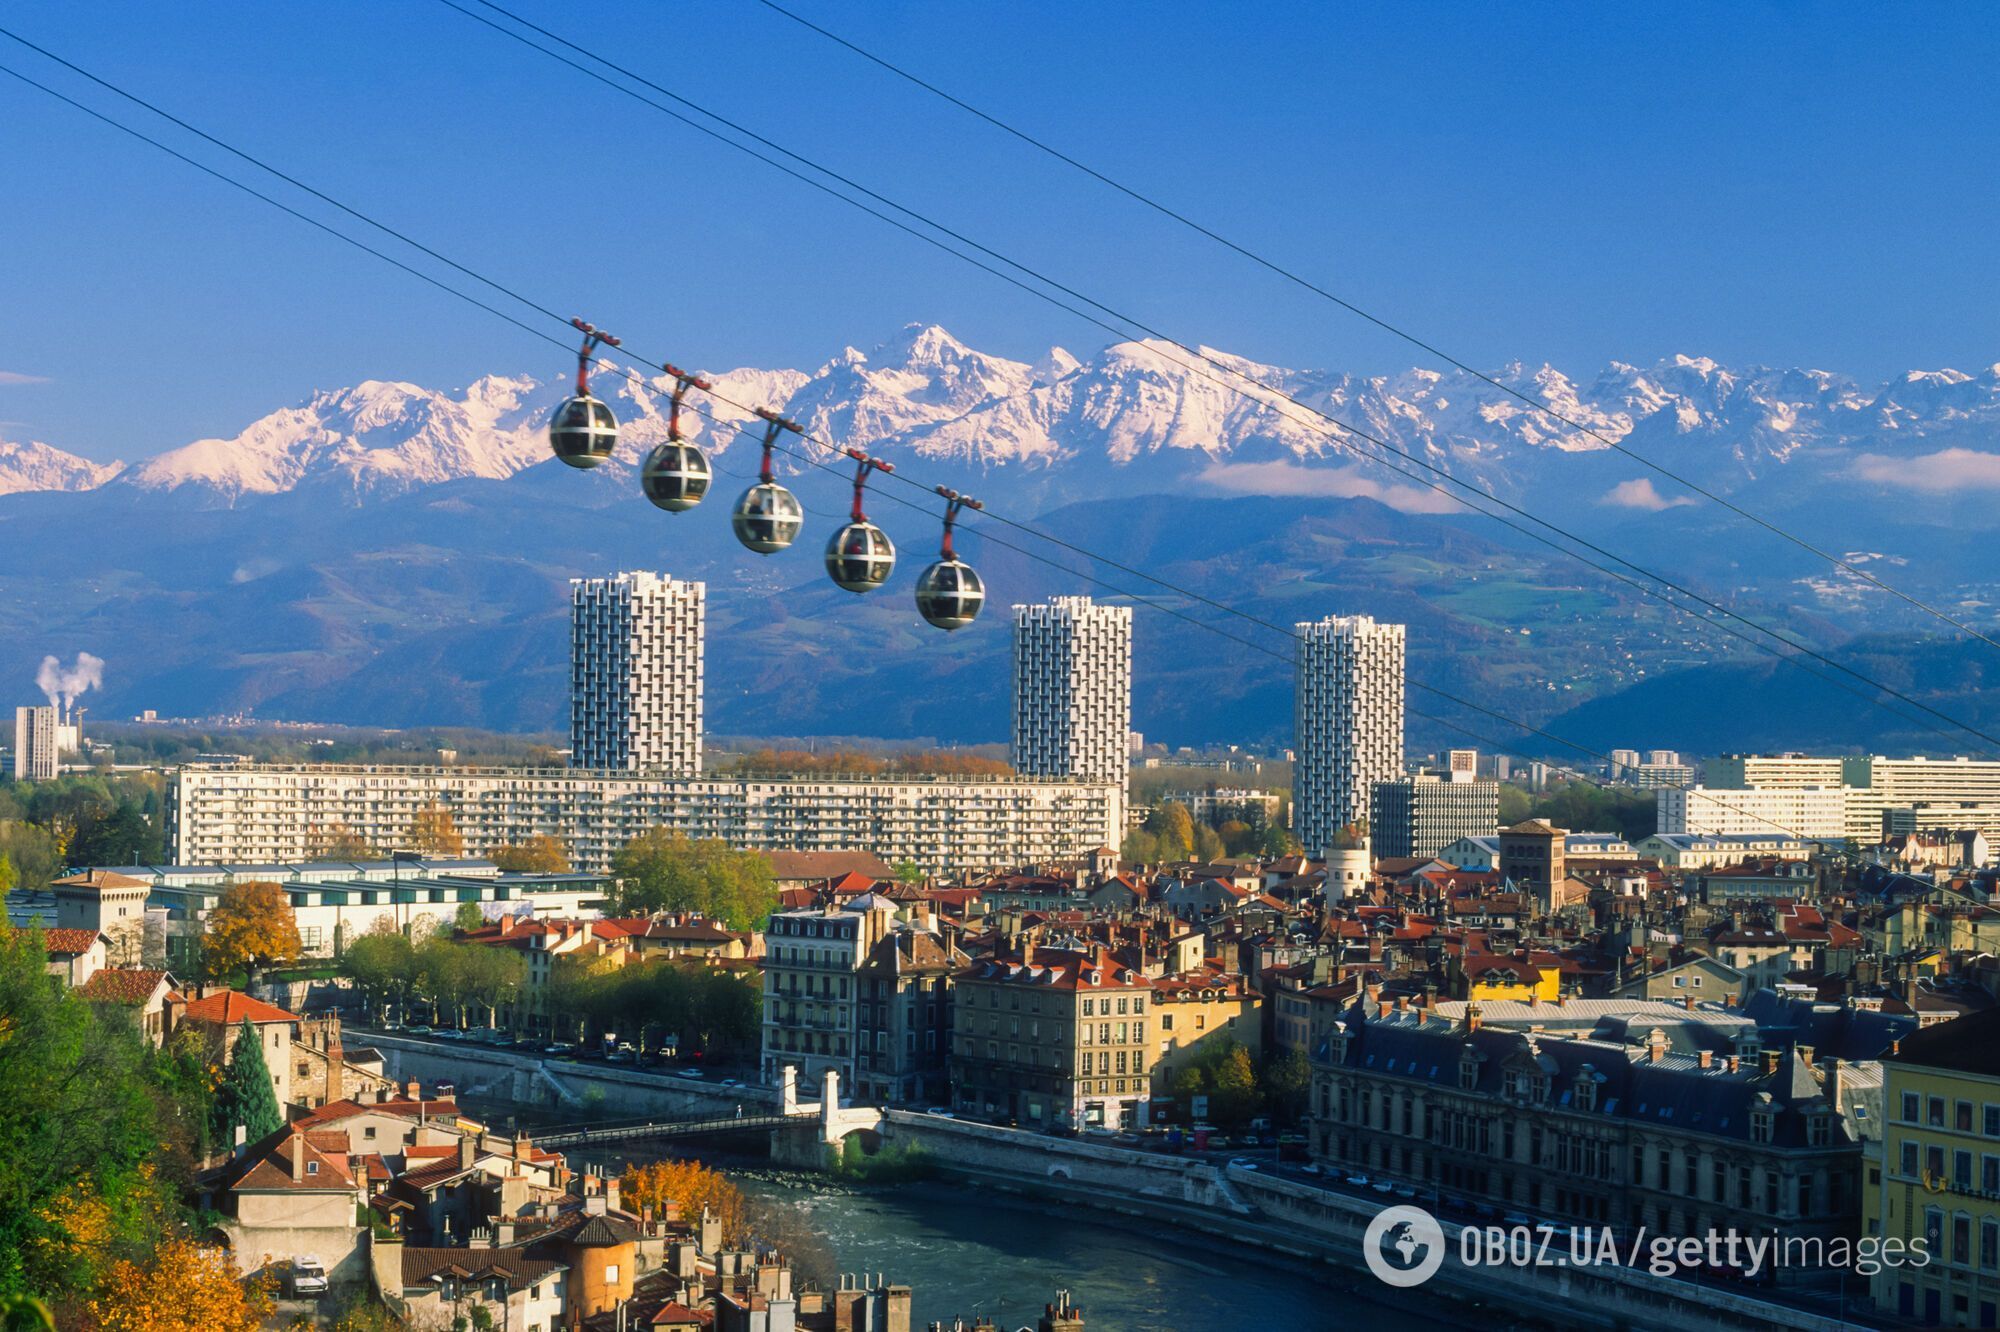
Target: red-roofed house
(75, 955)
(220, 1016)
(294, 1192)
(142, 993)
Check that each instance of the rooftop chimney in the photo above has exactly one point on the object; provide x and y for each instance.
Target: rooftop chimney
(1732, 1063)
(1705, 1058)
(1770, 1062)
(1656, 1045)
(298, 1158)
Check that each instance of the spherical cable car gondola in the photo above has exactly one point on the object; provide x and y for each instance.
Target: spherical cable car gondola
(860, 556)
(583, 432)
(767, 517)
(949, 592)
(676, 474)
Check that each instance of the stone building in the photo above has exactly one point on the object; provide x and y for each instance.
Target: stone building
(1588, 1131)
(1053, 1036)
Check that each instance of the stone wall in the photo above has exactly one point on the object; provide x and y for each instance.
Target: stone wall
(525, 1078)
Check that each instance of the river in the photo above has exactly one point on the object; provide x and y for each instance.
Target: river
(965, 1251)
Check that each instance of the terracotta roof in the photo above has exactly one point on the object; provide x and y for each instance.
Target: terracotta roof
(335, 1111)
(100, 879)
(426, 1266)
(229, 1007)
(268, 1163)
(122, 985)
(72, 942)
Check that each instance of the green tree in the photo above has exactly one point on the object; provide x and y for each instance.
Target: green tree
(1207, 843)
(908, 871)
(468, 917)
(1514, 804)
(246, 1097)
(668, 871)
(1238, 837)
(1233, 1096)
(383, 964)
(87, 1148)
(1287, 1080)
(1277, 842)
(8, 876)
(1140, 847)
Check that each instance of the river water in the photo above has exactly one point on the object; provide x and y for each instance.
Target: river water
(966, 1251)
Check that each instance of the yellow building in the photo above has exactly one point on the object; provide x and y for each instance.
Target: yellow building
(1486, 977)
(1938, 1181)
(1195, 1011)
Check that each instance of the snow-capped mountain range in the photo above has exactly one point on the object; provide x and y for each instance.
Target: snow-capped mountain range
(1137, 416)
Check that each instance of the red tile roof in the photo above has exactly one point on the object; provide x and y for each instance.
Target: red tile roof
(100, 879)
(72, 942)
(123, 985)
(229, 1007)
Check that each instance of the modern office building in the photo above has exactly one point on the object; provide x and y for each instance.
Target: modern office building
(235, 813)
(635, 674)
(1623, 760)
(1813, 813)
(1072, 696)
(1347, 722)
(1424, 814)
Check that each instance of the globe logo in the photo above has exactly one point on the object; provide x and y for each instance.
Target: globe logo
(1403, 1246)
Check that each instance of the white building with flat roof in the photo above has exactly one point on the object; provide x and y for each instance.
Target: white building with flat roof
(1347, 722)
(37, 743)
(281, 812)
(1807, 813)
(1072, 696)
(636, 673)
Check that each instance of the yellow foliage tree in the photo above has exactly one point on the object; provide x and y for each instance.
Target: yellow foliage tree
(689, 1185)
(337, 841)
(186, 1287)
(435, 832)
(251, 926)
(540, 854)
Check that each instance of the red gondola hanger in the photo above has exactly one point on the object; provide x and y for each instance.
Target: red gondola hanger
(950, 593)
(860, 556)
(583, 432)
(767, 516)
(676, 474)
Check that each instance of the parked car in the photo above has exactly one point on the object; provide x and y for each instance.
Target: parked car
(731, 1082)
(940, 1112)
(308, 1277)
(1241, 1163)
(694, 1073)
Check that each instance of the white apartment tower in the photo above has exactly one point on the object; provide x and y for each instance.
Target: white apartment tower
(635, 674)
(1073, 695)
(37, 742)
(1348, 723)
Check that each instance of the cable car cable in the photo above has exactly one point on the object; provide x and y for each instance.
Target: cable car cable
(1379, 321)
(1197, 352)
(1481, 497)
(433, 281)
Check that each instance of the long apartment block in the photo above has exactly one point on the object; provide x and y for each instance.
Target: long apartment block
(224, 814)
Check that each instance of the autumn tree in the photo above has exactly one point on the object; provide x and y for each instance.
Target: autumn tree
(1173, 826)
(183, 1287)
(338, 841)
(1207, 844)
(246, 1098)
(8, 876)
(665, 870)
(540, 854)
(251, 926)
(690, 1187)
(434, 832)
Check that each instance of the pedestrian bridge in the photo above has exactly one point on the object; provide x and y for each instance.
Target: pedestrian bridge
(827, 1121)
(587, 1135)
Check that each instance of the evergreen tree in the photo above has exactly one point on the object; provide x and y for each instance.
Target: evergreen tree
(246, 1096)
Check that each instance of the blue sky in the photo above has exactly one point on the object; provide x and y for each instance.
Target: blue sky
(1759, 183)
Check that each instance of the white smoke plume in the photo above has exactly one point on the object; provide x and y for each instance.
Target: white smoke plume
(65, 684)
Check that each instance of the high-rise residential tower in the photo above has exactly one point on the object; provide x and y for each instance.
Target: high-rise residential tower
(1348, 723)
(635, 674)
(1073, 695)
(37, 743)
